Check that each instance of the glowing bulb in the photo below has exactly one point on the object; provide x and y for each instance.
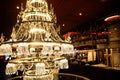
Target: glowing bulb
(80, 14)
(18, 7)
(63, 25)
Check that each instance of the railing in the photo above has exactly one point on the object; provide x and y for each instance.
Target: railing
(58, 76)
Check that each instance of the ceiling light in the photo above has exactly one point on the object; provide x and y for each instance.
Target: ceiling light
(18, 7)
(80, 14)
(63, 25)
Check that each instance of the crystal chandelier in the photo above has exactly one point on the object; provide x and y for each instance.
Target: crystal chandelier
(35, 46)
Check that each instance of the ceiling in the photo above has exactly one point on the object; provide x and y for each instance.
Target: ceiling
(72, 15)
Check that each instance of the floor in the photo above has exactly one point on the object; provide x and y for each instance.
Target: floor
(94, 72)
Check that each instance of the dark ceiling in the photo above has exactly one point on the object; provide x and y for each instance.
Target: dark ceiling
(72, 15)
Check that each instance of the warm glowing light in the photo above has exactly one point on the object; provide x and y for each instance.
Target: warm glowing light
(80, 14)
(18, 7)
(34, 30)
(112, 18)
(33, 1)
(40, 14)
(63, 25)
